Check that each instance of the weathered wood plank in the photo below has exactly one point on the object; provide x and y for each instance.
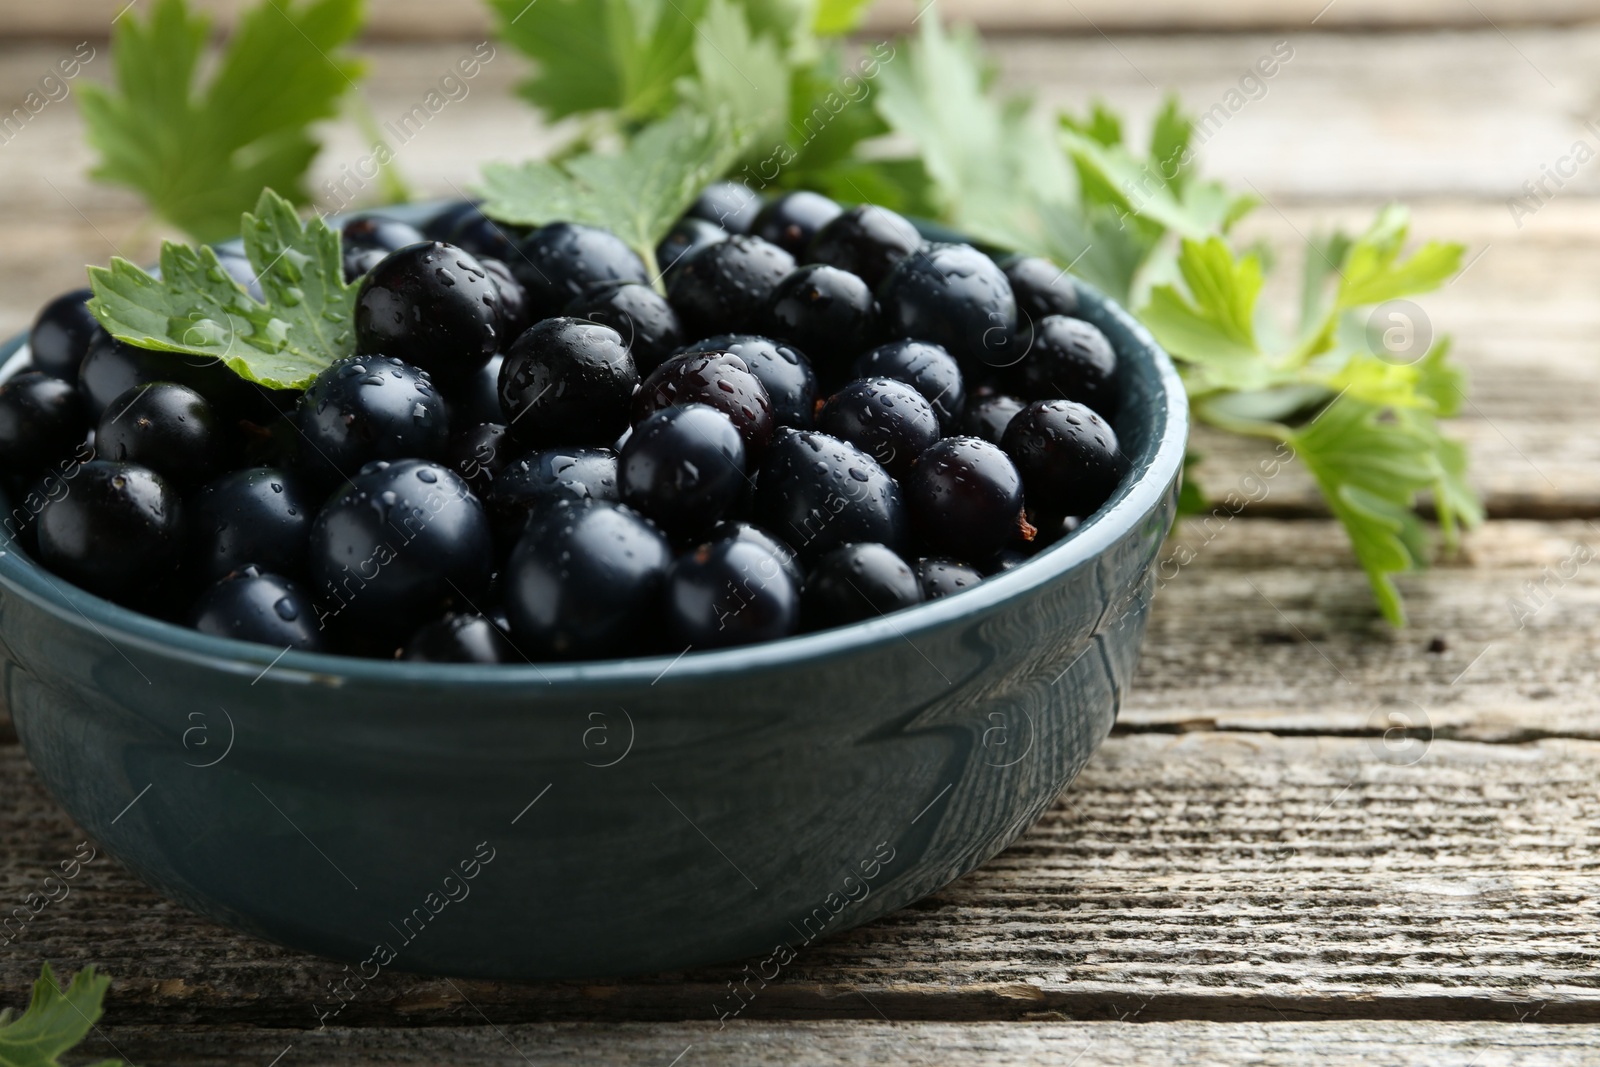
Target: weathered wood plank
(1214, 876)
(871, 1041)
(431, 19)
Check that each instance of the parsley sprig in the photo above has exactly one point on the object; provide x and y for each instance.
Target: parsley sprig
(201, 153)
(56, 1021)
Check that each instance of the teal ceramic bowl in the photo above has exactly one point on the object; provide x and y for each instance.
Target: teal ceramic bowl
(581, 820)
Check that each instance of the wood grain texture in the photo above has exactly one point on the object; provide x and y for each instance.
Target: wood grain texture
(431, 19)
(826, 1044)
(1219, 876)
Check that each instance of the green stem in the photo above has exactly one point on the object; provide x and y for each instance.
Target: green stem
(1274, 431)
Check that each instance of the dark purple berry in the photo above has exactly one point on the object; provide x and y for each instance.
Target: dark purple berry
(793, 220)
(730, 592)
(1067, 359)
(888, 420)
(477, 454)
(718, 379)
(827, 313)
(965, 498)
(858, 582)
(988, 418)
(255, 605)
(723, 286)
(783, 370)
(953, 295)
(730, 205)
(1041, 288)
(941, 577)
(460, 638)
(117, 531)
(529, 486)
(683, 468)
(366, 408)
(818, 492)
(866, 241)
(61, 335)
(431, 305)
(41, 421)
(567, 382)
(559, 261)
(927, 368)
(1068, 457)
(647, 323)
(259, 515)
(164, 426)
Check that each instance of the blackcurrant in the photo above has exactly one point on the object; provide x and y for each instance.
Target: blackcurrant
(988, 418)
(731, 205)
(783, 370)
(259, 515)
(460, 638)
(117, 531)
(586, 581)
(736, 530)
(482, 236)
(1068, 457)
(855, 582)
(1041, 288)
(366, 408)
(41, 420)
(647, 323)
(559, 261)
(536, 482)
(954, 296)
(867, 241)
(61, 335)
(927, 368)
(683, 468)
(940, 577)
(375, 231)
(167, 427)
(723, 286)
(475, 398)
(827, 313)
(441, 226)
(400, 544)
(818, 492)
(793, 219)
(433, 306)
(888, 420)
(1069, 359)
(965, 497)
(730, 592)
(686, 238)
(514, 313)
(251, 604)
(718, 379)
(567, 382)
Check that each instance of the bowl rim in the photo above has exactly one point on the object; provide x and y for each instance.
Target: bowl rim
(1138, 496)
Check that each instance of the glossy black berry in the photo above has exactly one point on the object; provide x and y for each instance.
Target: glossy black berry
(559, 261)
(856, 582)
(460, 638)
(252, 604)
(783, 370)
(927, 368)
(888, 420)
(567, 382)
(483, 236)
(867, 241)
(41, 420)
(736, 530)
(514, 313)
(647, 323)
(259, 515)
(965, 497)
(478, 453)
(534, 483)
(818, 492)
(431, 305)
(441, 226)
(167, 427)
(683, 468)
(400, 544)
(1041, 288)
(358, 262)
(61, 335)
(941, 577)
(686, 238)
(827, 313)
(117, 531)
(731, 205)
(1068, 457)
(954, 296)
(718, 379)
(730, 593)
(375, 231)
(366, 408)
(988, 418)
(723, 286)
(586, 581)
(1068, 359)
(111, 367)
(794, 219)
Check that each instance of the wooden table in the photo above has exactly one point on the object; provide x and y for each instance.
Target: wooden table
(1257, 867)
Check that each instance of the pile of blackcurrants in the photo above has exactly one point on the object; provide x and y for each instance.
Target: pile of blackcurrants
(535, 455)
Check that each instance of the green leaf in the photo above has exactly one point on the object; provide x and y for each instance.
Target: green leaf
(201, 154)
(57, 1019)
(1441, 381)
(830, 113)
(1169, 144)
(615, 55)
(1374, 272)
(838, 17)
(739, 74)
(1213, 326)
(1370, 469)
(198, 309)
(637, 194)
